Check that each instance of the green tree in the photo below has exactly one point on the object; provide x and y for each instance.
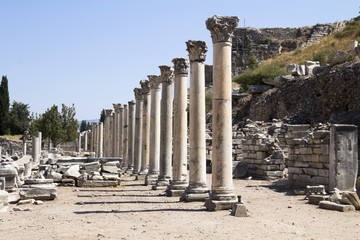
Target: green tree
(69, 124)
(4, 106)
(35, 124)
(102, 116)
(19, 117)
(50, 125)
(83, 126)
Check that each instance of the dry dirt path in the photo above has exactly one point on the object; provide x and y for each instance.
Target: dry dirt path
(133, 211)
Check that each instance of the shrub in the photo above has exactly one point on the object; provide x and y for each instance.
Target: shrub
(252, 63)
(268, 40)
(255, 76)
(351, 29)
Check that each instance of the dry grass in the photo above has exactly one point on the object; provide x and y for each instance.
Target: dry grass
(15, 138)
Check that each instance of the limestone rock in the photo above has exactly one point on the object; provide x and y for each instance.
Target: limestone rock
(4, 198)
(241, 170)
(340, 57)
(279, 80)
(310, 65)
(72, 172)
(253, 89)
(55, 176)
(38, 193)
(335, 206)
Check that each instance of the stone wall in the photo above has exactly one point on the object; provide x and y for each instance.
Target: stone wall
(308, 155)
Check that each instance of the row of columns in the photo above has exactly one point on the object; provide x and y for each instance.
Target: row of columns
(151, 135)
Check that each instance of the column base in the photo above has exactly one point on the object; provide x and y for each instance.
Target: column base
(176, 188)
(151, 179)
(218, 202)
(161, 184)
(140, 177)
(195, 195)
(239, 210)
(129, 170)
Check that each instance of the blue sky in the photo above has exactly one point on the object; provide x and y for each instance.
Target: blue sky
(94, 53)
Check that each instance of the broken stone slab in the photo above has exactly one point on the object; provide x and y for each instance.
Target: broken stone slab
(4, 198)
(296, 70)
(241, 170)
(353, 198)
(26, 201)
(38, 181)
(9, 172)
(67, 182)
(336, 206)
(72, 172)
(38, 193)
(353, 44)
(316, 199)
(91, 167)
(55, 176)
(320, 189)
(310, 65)
(239, 210)
(96, 183)
(110, 169)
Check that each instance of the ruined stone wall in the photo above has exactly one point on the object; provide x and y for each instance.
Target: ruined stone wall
(308, 155)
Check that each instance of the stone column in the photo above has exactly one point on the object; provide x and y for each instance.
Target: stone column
(125, 137)
(138, 130)
(197, 189)
(179, 182)
(145, 149)
(111, 134)
(35, 149)
(79, 142)
(131, 140)
(95, 138)
(93, 133)
(116, 127)
(85, 141)
(166, 128)
(101, 139)
(154, 158)
(121, 131)
(222, 191)
(107, 133)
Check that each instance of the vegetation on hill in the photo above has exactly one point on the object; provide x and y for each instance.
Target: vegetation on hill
(322, 51)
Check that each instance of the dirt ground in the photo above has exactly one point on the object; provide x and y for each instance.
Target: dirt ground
(134, 211)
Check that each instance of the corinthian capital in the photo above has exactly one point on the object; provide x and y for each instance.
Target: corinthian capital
(167, 73)
(181, 66)
(138, 94)
(155, 81)
(145, 86)
(222, 27)
(197, 50)
(108, 112)
(117, 107)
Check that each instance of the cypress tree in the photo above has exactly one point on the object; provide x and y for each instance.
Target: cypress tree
(4, 106)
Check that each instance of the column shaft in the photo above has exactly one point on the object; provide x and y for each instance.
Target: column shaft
(131, 131)
(125, 137)
(145, 149)
(138, 131)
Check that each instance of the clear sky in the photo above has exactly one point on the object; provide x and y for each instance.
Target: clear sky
(94, 52)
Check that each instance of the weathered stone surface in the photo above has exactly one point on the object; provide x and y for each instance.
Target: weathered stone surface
(310, 65)
(72, 172)
(110, 168)
(316, 199)
(241, 170)
(239, 210)
(335, 206)
(256, 89)
(4, 198)
(279, 80)
(26, 201)
(55, 176)
(96, 183)
(340, 57)
(38, 193)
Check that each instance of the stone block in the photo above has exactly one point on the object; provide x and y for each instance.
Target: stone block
(311, 171)
(96, 183)
(304, 178)
(310, 65)
(307, 150)
(325, 149)
(343, 157)
(322, 180)
(241, 170)
(301, 164)
(260, 155)
(317, 151)
(317, 165)
(274, 173)
(335, 206)
(316, 199)
(72, 172)
(38, 193)
(239, 210)
(323, 173)
(213, 205)
(295, 170)
(323, 158)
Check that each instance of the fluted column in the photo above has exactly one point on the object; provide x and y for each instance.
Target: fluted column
(145, 149)
(131, 132)
(107, 133)
(138, 130)
(166, 128)
(116, 128)
(222, 191)
(197, 189)
(101, 139)
(154, 159)
(125, 137)
(179, 181)
(120, 131)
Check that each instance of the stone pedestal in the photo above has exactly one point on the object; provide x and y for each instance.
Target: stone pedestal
(145, 149)
(197, 189)
(343, 161)
(125, 137)
(154, 158)
(179, 182)
(166, 128)
(138, 130)
(222, 194)
(131, 132)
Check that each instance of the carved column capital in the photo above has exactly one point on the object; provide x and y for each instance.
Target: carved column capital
(138, 94)
(222, 27)
(155, 81)
(197, 50)
(108, 112)
(167, 74)
(117, 107)
(181, 66)
(131, 103)
(145, 86)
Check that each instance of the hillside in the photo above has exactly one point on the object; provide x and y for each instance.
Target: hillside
(322, 51)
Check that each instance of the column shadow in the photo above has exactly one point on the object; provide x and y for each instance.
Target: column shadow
(142, 211)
